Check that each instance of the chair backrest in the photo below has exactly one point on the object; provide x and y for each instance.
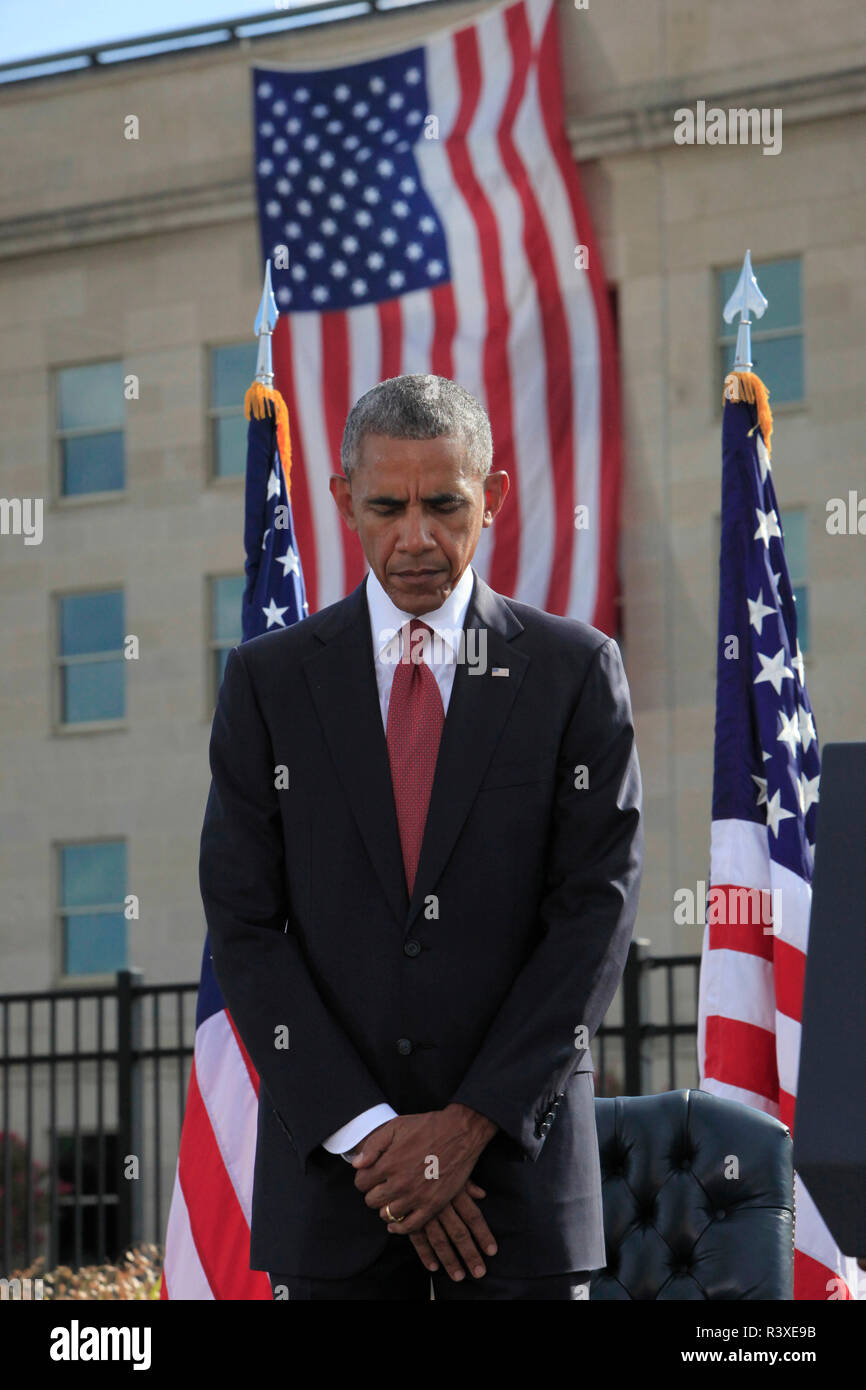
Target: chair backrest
(698, 1199)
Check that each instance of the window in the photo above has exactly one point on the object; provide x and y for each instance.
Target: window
(92, 923)
(90, 658)
(90, 419)
(777, 338)
(232, 369)
(226, 594)
(794, 528)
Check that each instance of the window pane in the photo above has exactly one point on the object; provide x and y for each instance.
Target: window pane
(91, 623)
(779, 364)
(92, 463)
(92, 875)
(230, 446)
(91, 395)
(94, 945)
(779, 282)
(232, 372)
(794, 530)
(801, 602)
(227, 594)
(92, 690)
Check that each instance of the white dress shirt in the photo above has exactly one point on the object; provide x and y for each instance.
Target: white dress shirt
(388, 631)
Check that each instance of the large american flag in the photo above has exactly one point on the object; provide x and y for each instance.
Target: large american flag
(765, 793)
(431, 213)
(207, 1244)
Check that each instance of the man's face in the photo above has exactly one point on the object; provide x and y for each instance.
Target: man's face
(419, 513)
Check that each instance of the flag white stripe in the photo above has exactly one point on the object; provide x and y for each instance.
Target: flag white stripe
(788, 1034)
(184, 1276)
(365, 348)
(585, 364)
(745, 982)
(796, 899)
(738, 853)
(416, 313)
(461, 232)
(528, 367)
(739, 1093)
(306, 333)
(230, 1100)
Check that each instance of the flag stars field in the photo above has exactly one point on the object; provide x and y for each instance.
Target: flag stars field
(774, 670)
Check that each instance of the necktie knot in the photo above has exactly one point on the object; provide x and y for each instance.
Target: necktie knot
(418, 644)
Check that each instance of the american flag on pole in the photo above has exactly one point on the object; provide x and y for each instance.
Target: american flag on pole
(207, 1244)
(765, 791)
(423, 213)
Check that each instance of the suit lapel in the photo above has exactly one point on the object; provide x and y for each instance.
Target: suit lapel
(342, 680)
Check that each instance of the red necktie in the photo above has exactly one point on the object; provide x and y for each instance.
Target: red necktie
(415, 719)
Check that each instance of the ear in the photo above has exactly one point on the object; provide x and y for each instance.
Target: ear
(341, 491)
(496, 487)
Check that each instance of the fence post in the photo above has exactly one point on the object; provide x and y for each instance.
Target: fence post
(633, 1001)
(128, 1104)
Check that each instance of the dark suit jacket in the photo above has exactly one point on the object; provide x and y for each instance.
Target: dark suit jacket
(516, 934)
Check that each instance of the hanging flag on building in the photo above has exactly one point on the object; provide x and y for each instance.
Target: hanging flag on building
(423, 213)
(207, 1245)
(765, 793)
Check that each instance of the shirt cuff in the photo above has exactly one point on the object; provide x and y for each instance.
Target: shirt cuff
(348, 1136)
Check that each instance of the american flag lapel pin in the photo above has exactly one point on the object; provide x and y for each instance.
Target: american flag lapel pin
(499, 671)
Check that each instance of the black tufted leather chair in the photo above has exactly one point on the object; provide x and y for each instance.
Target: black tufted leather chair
(675, 1226)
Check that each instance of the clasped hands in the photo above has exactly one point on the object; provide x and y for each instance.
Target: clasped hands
(436, 1209)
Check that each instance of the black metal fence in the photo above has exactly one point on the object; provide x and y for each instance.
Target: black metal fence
(94, 1084)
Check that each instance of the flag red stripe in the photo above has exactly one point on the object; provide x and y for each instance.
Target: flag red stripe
(302, 514)
(811, 1279)
(207, 1189)
(732, 935)
(502, 574)
(787, 1104)
(790, 976)
(606, 614)
(741, 1054)
(336, 405)
(554, 326)
(444, 330)
(390, 338)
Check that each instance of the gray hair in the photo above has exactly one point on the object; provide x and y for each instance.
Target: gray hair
(419, 407)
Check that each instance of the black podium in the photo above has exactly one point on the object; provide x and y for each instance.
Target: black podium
(830, 1115)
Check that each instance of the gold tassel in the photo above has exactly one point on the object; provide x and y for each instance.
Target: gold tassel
(745, 386)
(255, 404)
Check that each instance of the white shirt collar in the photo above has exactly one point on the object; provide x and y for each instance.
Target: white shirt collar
(386, 618)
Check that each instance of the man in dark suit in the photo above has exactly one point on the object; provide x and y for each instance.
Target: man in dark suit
(420, 865)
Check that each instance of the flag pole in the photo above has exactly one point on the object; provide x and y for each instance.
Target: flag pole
(262, 398)
(266, 322)
(741, 383)
(745, 298)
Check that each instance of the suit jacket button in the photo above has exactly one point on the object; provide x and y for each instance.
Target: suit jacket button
(545, 1127)
(412, 948)
(404, 1046)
